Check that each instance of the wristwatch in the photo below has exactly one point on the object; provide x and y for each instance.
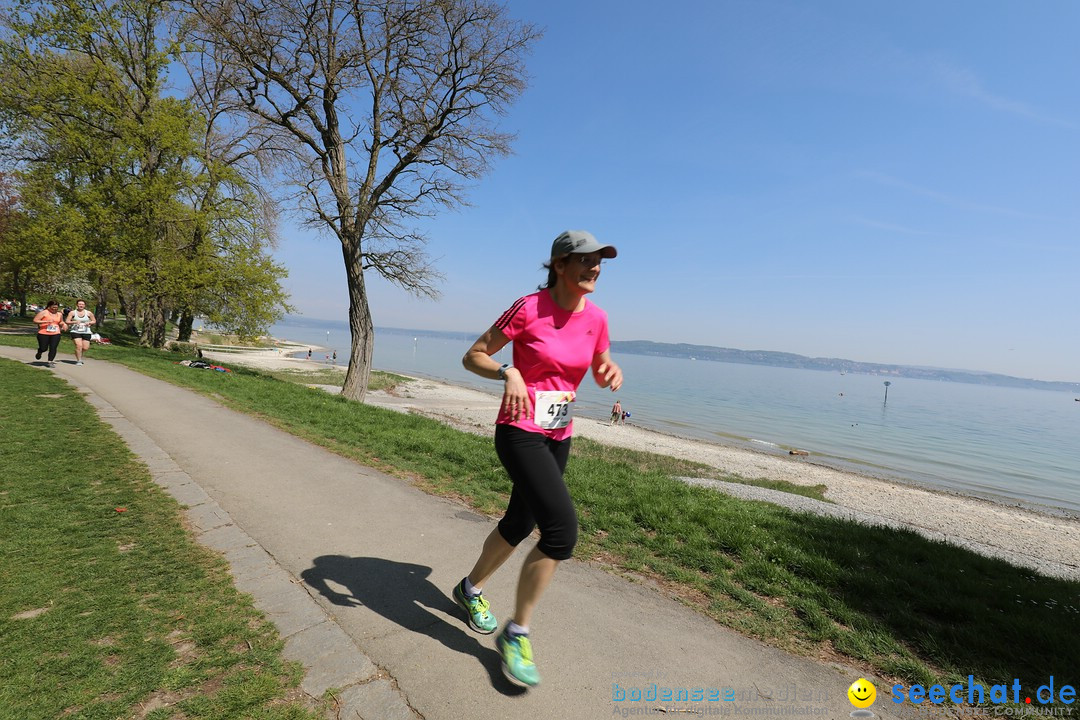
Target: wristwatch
(502, 370)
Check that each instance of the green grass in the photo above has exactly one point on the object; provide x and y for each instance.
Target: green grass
(328, 376)
(104, 611)
(19, 323)
(887, 601)
(816, 492)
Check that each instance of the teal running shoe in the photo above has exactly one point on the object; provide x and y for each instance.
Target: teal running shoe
(476, 610)
(517, 659)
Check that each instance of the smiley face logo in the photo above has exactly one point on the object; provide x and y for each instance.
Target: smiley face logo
(862, 693)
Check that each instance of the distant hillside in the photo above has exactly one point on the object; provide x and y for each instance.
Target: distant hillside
(781, 359)
(791, 360)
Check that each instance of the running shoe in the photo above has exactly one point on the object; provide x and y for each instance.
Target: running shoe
(517, 659)
(37, 355)
(476, 610)
(52, 364)
(79, 363)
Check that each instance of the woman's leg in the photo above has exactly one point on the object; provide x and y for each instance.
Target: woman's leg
(536, 465)
(42, 345)
(496, 551)
(78, 348)
(54, 345)
(536, 575)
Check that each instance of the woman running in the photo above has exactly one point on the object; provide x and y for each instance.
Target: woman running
(81, 321)
(50, 322)
(558, 336)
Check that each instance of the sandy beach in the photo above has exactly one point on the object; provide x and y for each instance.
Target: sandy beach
(1044, 542)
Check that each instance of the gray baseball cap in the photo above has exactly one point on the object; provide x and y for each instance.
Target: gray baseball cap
(579, 241)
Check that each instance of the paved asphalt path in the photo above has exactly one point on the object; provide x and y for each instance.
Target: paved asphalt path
(355, 568)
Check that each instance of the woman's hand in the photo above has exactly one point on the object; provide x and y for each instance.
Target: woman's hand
(515, 401)
(606, 372)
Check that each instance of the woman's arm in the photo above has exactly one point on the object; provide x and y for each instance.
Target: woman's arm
(478, 359)
(606, 372)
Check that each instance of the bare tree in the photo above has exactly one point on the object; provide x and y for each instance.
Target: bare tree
(383, 110)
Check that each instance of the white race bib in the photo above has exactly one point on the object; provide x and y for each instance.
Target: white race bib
(554, 408)
(52, 328)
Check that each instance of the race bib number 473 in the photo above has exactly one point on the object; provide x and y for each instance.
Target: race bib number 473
(554, 408)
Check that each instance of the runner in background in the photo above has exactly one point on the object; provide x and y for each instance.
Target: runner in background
(50, 324)
(81, 322)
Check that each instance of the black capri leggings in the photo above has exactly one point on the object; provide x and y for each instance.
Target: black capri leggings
(536, 464)
(48, 342)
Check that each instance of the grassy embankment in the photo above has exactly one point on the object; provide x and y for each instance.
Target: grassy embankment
(885, 600)
(108, 608)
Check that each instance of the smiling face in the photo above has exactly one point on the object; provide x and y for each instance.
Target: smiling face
(578, 272)
(862, 693)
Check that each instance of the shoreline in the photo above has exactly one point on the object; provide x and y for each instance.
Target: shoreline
(1043, 540)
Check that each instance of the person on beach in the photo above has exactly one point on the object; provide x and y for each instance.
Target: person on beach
(81, 320)
(558, 336)
(50, 322)
(616, 413)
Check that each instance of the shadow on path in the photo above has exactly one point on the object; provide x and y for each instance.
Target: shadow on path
(401, 593)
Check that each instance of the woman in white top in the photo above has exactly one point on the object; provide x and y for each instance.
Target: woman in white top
(80, 320)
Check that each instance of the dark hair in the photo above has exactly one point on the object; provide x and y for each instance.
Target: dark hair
(553, 277)
(51, 303)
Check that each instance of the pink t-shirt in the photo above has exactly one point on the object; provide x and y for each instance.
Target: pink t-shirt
(553, 349)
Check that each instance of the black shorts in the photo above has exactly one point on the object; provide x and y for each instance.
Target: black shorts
(539, 497)
(81, 336)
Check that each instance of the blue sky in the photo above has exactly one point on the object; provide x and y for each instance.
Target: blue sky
(884, 182)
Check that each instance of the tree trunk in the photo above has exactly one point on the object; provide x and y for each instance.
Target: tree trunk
(101, 304)
(361, 328)
(20, 292)
(153, 321)
(129, 308)
(187, 320)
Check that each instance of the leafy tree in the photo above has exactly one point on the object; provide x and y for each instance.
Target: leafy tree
(14, 257)
(86, 97)
(381, 111)
(89, 79)
(41, 240)
(9, 223)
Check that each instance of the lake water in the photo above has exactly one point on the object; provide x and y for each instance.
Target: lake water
(1007, 444)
